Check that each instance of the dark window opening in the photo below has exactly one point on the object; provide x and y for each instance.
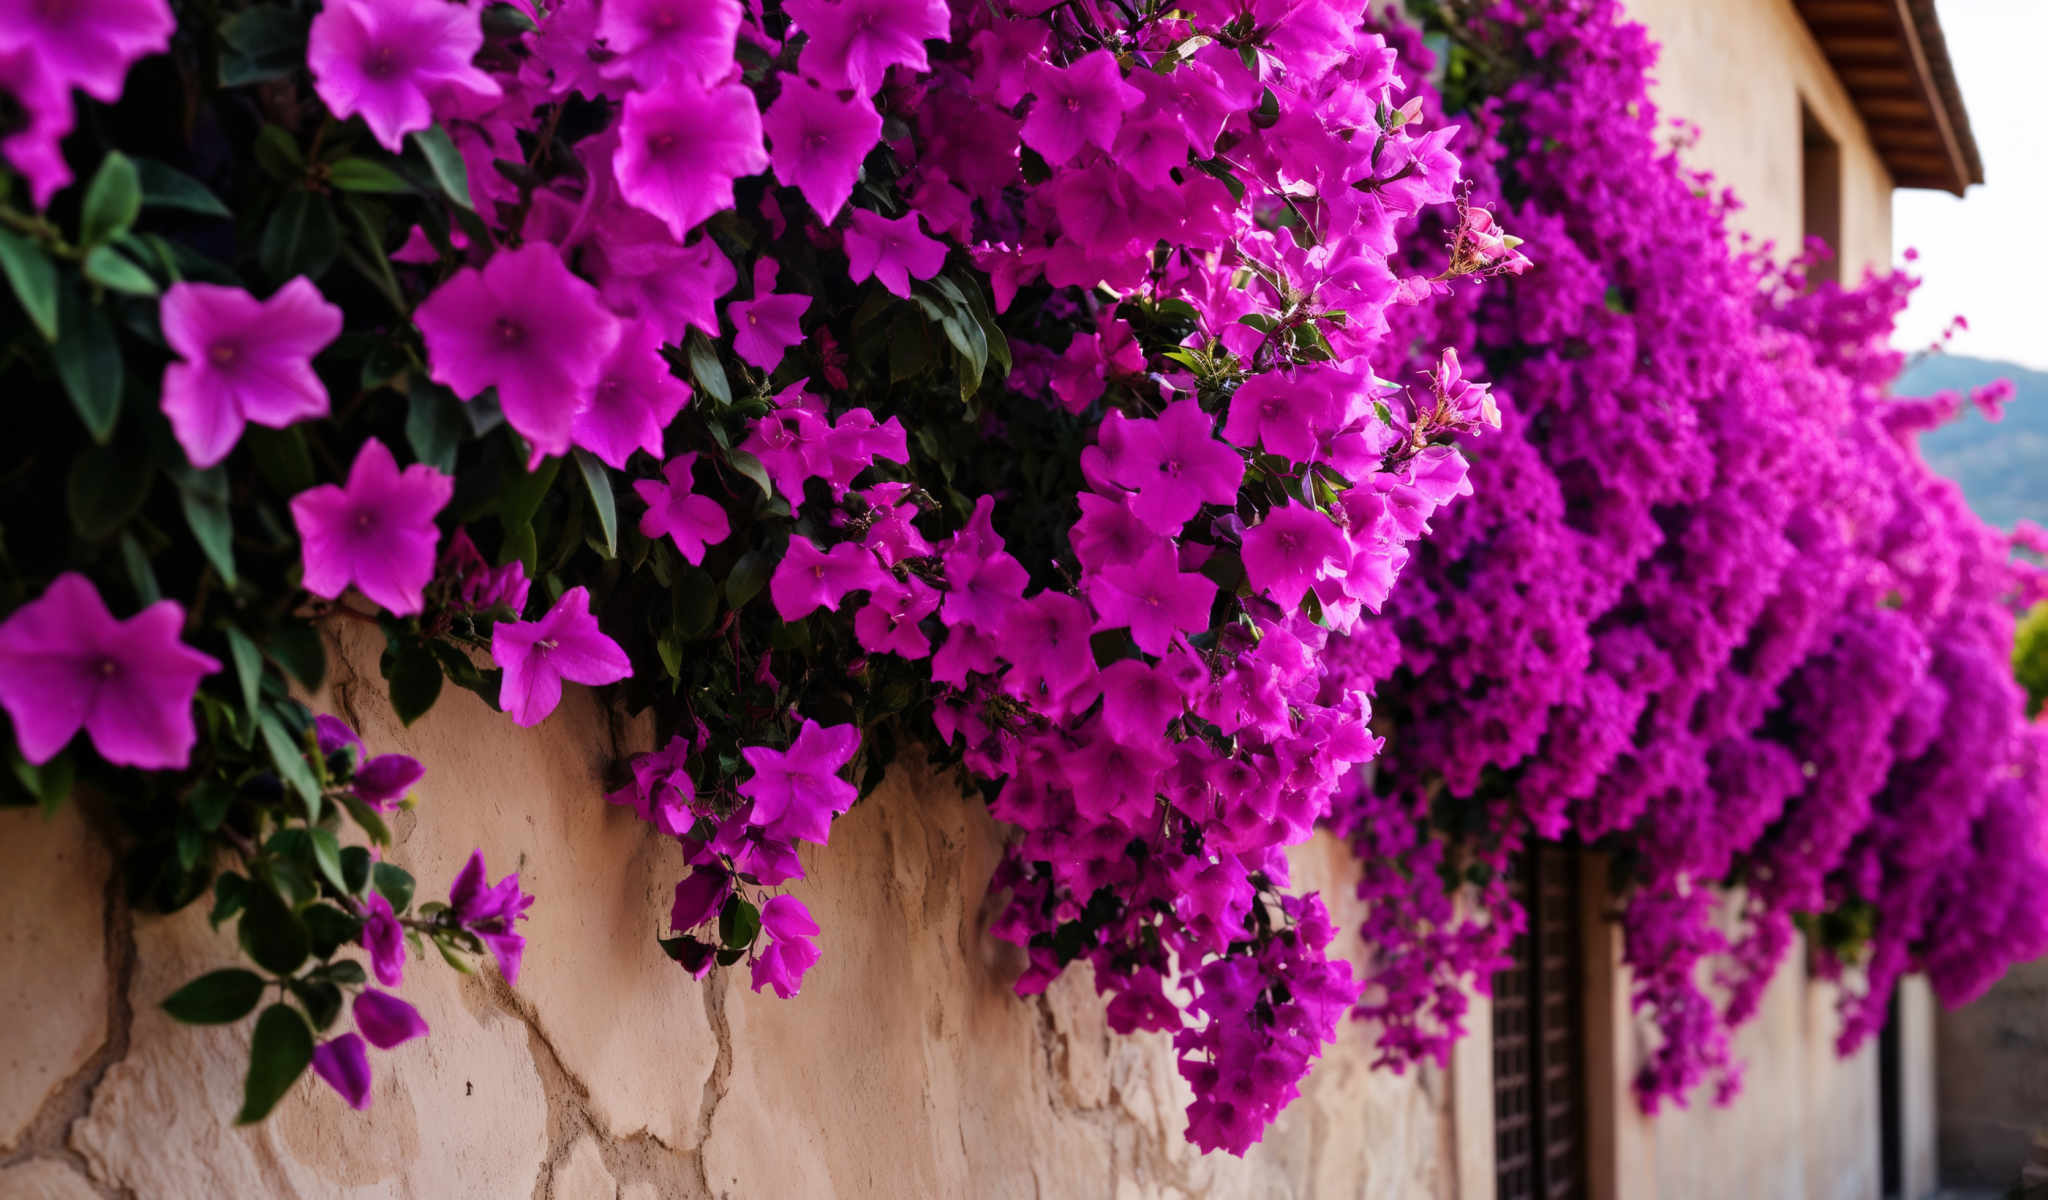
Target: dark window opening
(1820, 188)
(1539, 1104)
(1890, 1097)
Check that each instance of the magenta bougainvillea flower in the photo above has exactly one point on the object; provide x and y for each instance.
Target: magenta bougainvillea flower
(345, 1066)
(392, 61)
(1081, 104)
(655, 39)
(33, 145)
(1288, 552)
(765, 327)
(86, 44)
(478, 586)
(1055, 627)
(681, 148)
(491, 911)
(1153, 598)
(66, 664)
(673, 288)
(538, 655)
(817, 142)
(796, 792)
(894, 252)
(674, 510)
(699, 895)
(243, 360)
(853, 43)
(1282, 411)
(385, 1020)
(380, 782)
(790, 950)
(526, 326)
(384, 938)
(661, 789)
(889, 622)
(376, 532)
(635, 398)
(808, 578)
(1174, 464)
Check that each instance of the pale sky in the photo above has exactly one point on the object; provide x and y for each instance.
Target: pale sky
(1977, 254)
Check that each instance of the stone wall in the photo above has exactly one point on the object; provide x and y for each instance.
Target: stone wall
(905, 1068)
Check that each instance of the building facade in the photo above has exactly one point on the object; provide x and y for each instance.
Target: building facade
(1813, 112)
(907, 1067)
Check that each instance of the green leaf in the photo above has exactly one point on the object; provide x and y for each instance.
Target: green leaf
(208, 803)
(522, 492)
(331, 929)
(708, 371)
(327, 857)
(346, 971)
(264, 41)
(110, 268)
(747, 577)
(281, 457)
(366, 817)
(366, 175)
(739, 922)
(445, 161)
(34, 279)
(434, 425)
(105, 488)
(49, 782)
(229, 891)
(414, 675)
(203, 495)
(299, 650)
(693, 601)
(506, 20)
(164, 186)
(248, 667)
(290, 758)
(599, 481)
(302, 237)
(112, 201)
(89, 363)
(749, 466)
(278, 1055)
(216, 998)
(394, 884)
(278, 154)
(355, 869)
(321, 1000)
(140, 574)
(271, 933)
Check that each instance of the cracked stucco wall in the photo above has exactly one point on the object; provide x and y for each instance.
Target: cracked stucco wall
(906, 1068)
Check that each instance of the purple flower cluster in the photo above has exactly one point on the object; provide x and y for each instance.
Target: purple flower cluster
(1715, 616)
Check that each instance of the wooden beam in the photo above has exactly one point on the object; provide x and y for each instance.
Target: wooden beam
(1876, 51)
(1959, 168)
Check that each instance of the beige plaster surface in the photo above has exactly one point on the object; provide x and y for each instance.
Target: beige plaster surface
(905, 1068)
(1738, 70)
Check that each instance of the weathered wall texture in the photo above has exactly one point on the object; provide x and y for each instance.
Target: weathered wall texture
(905, 1068)
(1993, 1079)
(1738, 69)
(1806, 1125)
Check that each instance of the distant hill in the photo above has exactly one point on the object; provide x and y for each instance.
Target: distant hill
(2003, 467)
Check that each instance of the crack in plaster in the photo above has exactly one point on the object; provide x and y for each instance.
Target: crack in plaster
(48, 1133)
